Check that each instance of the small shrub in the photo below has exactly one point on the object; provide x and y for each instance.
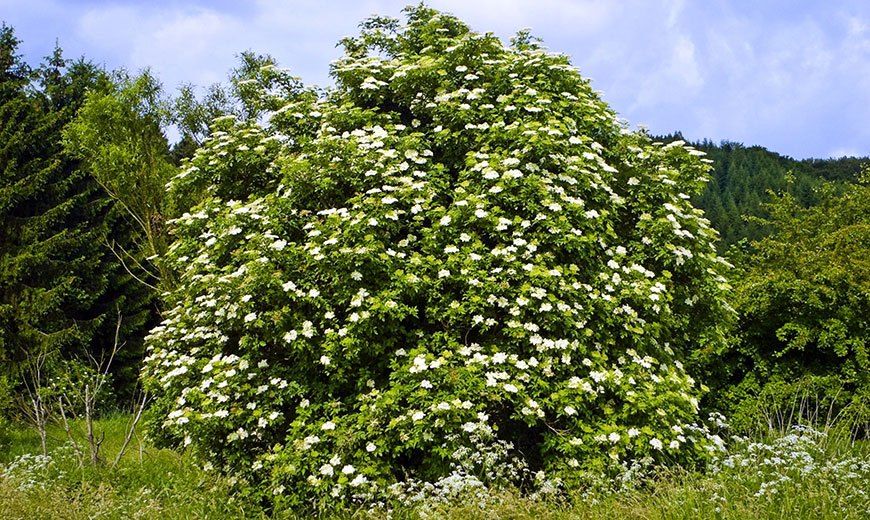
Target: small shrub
(803, 298)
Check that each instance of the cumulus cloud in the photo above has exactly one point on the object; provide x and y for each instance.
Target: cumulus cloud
(796, 81)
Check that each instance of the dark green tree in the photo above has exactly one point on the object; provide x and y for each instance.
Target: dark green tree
(61, 289)
(743, 178)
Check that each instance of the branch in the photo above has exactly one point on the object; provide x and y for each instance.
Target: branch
(103, 370)
(130, 430)
(124, 265)
(79, 455)
(118, 199)
(137, 262)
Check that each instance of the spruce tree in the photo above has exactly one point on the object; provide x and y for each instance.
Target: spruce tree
(60, 287)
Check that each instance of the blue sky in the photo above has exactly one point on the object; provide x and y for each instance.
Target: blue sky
(793, 76)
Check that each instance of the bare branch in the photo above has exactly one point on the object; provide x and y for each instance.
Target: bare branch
(124, 265)
(131, 429)
(68, 430)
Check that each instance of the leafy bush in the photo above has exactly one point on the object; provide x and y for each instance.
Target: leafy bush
(803, 299)
(460, 243)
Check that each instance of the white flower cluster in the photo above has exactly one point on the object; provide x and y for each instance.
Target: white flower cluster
(785, 464)
(30, 471)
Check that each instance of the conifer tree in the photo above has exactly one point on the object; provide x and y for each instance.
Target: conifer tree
(60, 287)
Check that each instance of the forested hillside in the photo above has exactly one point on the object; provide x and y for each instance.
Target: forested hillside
(744, 176)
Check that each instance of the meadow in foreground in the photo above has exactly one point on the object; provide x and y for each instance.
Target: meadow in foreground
(803, 473)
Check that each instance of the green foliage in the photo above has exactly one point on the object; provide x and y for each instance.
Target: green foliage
(118, 136)
(825, 402)
(149, 482)
(455, 266)
(804, 303)
(60, 286)
(52, 223)
(259, 86)
(6, 403)
(193, 115)
(14, 72)
(801, 474)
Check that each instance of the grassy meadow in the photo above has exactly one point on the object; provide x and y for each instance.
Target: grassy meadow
(802, 473)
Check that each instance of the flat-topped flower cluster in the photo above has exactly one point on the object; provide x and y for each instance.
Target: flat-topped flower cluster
(458, 242)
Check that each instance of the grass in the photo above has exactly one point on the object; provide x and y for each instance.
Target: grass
(783, 477)
(148, 483)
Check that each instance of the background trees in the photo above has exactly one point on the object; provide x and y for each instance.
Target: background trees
(118, 135)
(53, 216)
(60, 287)
(803, 297)
(743, 178)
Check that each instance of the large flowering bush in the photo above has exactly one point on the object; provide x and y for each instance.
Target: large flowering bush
(455, 266)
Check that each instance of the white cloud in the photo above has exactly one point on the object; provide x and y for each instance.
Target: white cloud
(796, 81)
(844, 152)
(505, 17)
(182, 44)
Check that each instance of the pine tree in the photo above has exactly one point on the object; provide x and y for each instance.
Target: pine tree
(61, 289)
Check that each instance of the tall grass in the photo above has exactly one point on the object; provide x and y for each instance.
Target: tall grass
(148, 482)
(793, 474)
